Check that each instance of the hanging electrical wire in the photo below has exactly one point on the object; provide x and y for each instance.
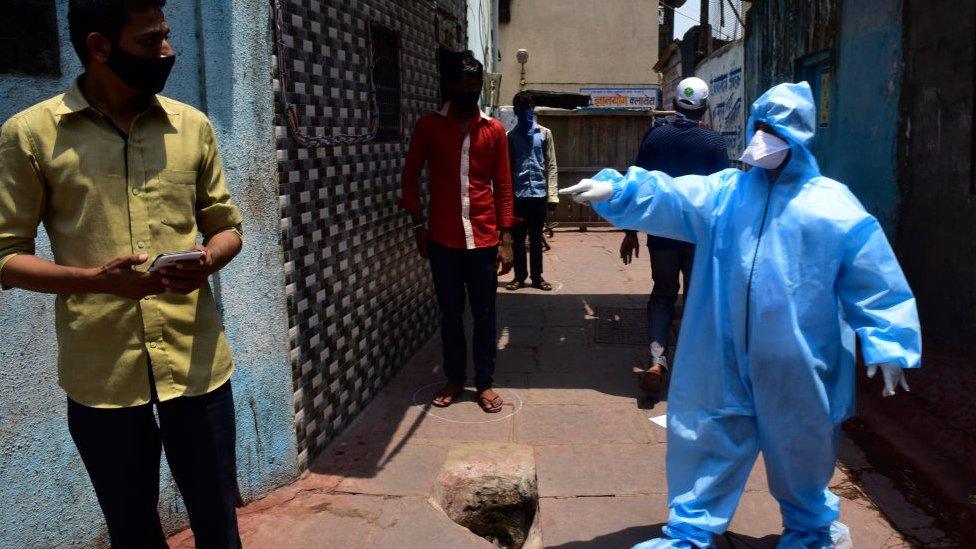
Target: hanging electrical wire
(692, 19)
(290, 111)
(719, 30)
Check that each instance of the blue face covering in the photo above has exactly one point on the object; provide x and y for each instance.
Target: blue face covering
(526, 119)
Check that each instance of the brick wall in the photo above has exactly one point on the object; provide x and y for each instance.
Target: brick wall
(359, 298)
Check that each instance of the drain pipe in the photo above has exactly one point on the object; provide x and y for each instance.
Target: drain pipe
(495, 54)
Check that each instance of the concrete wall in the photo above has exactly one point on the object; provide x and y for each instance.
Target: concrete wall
(722, 70)
(573, 43)
(48, 500)
(859, 147)
(670, 76)
(850, 53)
(236, 40)
(480, 17)
(936, 229)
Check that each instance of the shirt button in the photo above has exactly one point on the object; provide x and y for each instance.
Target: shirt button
(141, 244)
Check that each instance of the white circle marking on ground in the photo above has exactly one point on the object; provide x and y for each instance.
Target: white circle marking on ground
(518, 406)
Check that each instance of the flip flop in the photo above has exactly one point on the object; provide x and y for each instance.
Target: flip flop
(542, 285)
(491, 405)
(515, 285)
(447, 395)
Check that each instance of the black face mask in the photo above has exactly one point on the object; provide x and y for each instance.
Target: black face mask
(465, 101)
(146, 74)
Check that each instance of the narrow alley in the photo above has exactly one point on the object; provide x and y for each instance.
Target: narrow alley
(598, 454)
(241, 242)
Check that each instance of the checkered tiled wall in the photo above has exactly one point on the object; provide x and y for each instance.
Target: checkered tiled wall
(359, 298)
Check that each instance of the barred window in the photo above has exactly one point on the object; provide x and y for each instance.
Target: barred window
(29, 37)
(385, 51)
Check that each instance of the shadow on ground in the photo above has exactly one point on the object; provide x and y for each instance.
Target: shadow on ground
(547, 356)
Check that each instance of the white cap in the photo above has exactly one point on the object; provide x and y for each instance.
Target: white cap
(691, 93)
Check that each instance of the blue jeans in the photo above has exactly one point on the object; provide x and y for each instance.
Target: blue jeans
(456, 272)
(666, 265)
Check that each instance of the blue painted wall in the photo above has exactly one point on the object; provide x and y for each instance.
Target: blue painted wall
(860, 148)
(47, 498)
(862, 44)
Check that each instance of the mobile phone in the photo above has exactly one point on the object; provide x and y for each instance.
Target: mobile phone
(169, 259)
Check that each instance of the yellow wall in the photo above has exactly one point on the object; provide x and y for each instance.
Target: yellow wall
(573, 43)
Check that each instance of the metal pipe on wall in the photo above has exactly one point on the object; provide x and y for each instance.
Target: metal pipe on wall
(495, 54)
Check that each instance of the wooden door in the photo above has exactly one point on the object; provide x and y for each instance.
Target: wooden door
(587, 142)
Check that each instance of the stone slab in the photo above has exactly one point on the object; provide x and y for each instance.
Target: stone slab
(569, 424)
(407, 470)
(597, 522)
(417, 524)
(601, 469)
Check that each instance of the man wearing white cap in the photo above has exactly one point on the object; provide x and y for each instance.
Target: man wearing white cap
(682, 147)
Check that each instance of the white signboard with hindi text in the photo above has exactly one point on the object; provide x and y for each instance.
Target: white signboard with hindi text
(722, 71)
(645, 98)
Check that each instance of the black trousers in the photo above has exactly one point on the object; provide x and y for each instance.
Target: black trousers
(121, 447)
(455, 273)
(533, 213)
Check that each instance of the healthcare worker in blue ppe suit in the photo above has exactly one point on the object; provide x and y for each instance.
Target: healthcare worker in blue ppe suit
(789, 267)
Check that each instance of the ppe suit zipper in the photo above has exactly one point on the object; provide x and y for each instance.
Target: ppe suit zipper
(755, 256)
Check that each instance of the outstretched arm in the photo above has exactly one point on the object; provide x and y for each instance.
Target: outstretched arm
(653, 202)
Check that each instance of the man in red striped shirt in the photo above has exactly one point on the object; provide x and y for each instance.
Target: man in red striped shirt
(466, 234)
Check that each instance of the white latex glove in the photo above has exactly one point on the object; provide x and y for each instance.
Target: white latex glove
(894, 377)
(589, 190)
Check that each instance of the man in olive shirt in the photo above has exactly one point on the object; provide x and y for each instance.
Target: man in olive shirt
(119, 175)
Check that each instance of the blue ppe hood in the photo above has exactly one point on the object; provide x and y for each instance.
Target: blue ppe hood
(789, 109)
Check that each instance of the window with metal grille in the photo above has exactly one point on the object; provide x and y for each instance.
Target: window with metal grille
(385, 51)
(29, 37)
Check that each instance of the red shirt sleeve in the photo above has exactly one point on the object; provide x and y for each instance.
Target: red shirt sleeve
(417, 156)
(502, 179)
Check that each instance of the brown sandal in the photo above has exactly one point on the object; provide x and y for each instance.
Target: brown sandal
(447, 395)
(542, 285)
(515, 285)
(653, 378)
(490, 404)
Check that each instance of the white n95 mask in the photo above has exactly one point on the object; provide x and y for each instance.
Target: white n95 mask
(765, 150)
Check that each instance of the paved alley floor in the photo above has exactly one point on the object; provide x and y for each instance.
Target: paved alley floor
(599, 457)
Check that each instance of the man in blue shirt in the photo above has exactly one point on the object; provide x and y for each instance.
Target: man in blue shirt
(534, 182)
(682, 147)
